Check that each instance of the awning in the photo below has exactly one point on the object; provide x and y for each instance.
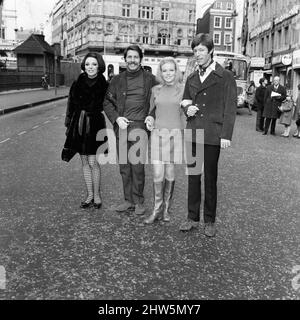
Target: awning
(270, 71)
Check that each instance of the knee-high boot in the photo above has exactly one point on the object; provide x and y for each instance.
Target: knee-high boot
(158, 190)
(168, 197)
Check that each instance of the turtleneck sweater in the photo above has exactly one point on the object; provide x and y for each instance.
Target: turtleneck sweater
(134, 105)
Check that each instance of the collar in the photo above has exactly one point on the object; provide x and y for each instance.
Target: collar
(211, 67)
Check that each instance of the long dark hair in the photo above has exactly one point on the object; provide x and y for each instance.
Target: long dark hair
(98, 57)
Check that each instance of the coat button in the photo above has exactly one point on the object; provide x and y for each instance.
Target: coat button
(203, 105)
(204, 93)
(201, 115)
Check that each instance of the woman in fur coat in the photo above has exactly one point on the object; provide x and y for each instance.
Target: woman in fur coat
(84, 118)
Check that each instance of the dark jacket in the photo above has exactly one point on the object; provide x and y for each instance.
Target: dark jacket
(114, 103)
(259, 97)
(216, 98)
(271, 104)
(84, 117)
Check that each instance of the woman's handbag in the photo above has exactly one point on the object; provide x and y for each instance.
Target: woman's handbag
(67, 154)
(286, 106)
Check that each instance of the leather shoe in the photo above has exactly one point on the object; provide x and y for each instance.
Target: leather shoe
(98, 205)
(265, 133)
(139, 209)
(210, 229)
(86, 205)
(188, 225)
(125, 206)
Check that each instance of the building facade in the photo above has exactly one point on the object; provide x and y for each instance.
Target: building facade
(274, 35)
(7, 29)
(219, 20)
(161, 28)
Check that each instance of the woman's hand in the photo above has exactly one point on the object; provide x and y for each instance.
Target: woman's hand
(192, 110)
(149, 123)
(225, 143)
(122, 122)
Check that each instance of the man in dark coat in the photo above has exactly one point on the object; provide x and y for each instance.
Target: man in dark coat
(210, 104)
(126, 105)
(259, 100)
(274, 95)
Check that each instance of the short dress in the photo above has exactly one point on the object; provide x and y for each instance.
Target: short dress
(167, 136)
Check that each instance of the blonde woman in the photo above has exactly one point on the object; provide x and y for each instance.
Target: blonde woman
(166, 118)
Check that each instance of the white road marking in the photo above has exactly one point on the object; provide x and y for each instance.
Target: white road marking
(4, 140)
(46, 121)
(35, 127)
(21, 133)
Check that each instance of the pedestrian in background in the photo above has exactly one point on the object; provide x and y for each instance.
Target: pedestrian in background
(259, 100)
(166, 120)
(84, 118)
(296, 115)
(250, 96)
(287, 110)
(274, 96)
(210, 105)
(126, 106)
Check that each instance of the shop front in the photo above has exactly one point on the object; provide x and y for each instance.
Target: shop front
(296, 71)
(282, 67)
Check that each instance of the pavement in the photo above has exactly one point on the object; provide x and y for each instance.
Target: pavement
(14, 100)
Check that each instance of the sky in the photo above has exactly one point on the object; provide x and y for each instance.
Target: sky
(30, 13)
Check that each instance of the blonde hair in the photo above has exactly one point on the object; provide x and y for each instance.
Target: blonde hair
(178, 75)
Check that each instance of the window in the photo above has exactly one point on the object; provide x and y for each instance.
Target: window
(267, 43)
(179, 42)
(191, 16)
(278, 39)
(218, 5)
(229, 6)
(146, 12)
(217, 22)
(165, 14)
(163, 37)
(227, 39)
(228, 23)
(125, 10)
(146, 40)
(286, 36)
(126, 38)
(217, 38)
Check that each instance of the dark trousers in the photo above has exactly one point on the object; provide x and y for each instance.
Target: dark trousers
(211, 158)
(133, 178)
(259, 120)
(273, 125)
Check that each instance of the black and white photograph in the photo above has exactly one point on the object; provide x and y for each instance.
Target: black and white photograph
(149, 152)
